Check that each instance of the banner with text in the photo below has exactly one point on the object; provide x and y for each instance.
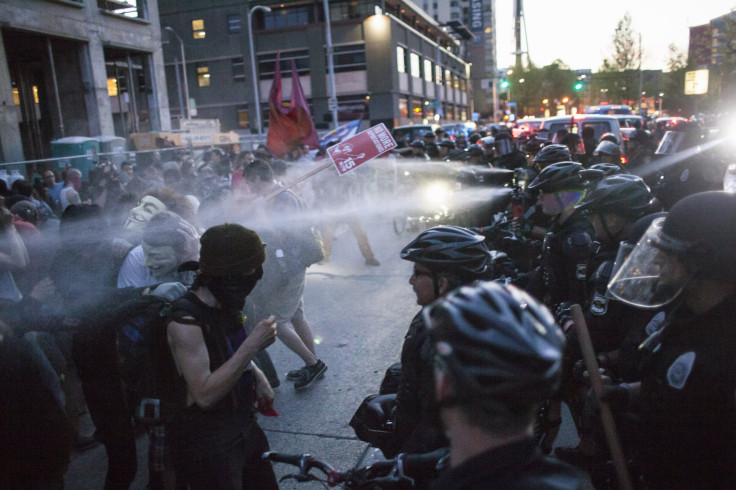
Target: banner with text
(361, 148)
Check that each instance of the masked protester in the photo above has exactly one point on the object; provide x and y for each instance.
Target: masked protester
(215, 438)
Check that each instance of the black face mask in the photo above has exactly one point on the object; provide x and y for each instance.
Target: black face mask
(231, 291)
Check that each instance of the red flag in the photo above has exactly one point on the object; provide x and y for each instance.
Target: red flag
(289, 128)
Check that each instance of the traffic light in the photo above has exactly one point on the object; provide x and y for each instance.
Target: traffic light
(505, 84)
(579, 86)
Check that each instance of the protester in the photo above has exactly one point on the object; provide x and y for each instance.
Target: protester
(215, 439)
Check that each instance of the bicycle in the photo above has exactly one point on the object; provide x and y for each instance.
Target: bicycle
(399, 472)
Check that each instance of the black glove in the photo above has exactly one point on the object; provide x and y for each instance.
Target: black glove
(617, 397)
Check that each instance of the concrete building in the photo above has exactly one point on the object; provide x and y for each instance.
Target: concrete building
(480, 18)
(78, 68)
(392, 62)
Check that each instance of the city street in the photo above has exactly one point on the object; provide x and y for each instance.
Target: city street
(359, 315)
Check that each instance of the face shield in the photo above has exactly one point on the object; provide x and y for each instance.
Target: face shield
(651, 275)
(503, 146)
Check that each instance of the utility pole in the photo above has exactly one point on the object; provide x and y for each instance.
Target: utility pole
(640, 75)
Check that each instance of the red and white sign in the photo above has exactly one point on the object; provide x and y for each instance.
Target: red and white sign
(362, 147)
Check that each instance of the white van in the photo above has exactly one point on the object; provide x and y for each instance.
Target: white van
(574, 124)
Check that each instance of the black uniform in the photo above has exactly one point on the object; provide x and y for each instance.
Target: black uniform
(562, 277)
(417, 424)
(515, 159)
(688, 409)
(516, 466)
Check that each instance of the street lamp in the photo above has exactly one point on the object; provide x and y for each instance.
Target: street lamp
(183, 68)
(661, 96)
(256, 88)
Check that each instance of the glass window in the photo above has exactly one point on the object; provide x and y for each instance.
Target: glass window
(129, 8)
(456, 81)
(415, 66)
(416, 108)
(267, 63)
(403, 107)
(400, 59)
(428, 109)
(428, 70)
(349, 57)
(448, 78)
(203, 76)
(281, 18)
(243, 119)
(351, 9)
(438, 74)
(233, 24)
(238, 69)
(198, 29)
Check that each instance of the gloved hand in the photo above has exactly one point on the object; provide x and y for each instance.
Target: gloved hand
(169, 291)
(618, 397)
(564, 316)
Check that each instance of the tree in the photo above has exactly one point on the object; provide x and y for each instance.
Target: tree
(625, 56)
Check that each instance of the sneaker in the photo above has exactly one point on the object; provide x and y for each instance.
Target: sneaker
(311, 374)
(372, 261)
(296, 374)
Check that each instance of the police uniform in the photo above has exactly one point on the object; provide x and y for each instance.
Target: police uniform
(563, 275)
(688, 404)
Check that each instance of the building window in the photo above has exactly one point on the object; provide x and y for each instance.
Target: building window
(282, 18)
(428, 70)
(414, 65)
(112, 87)
(267, 63)
(448, 78)
(456, 81)
(351, 9)
(135, 9)
(243, 119)
(203, 76)
(463, 85)
(416, 108)
(349, 57)
(233, 24)
(400, 59)
(238, 70)
(403, 107)
(198, 29)
(438, 74)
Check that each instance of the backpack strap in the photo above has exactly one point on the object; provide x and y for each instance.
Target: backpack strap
(189, 310)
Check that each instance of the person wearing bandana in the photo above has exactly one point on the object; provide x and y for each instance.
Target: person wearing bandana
(216, 441)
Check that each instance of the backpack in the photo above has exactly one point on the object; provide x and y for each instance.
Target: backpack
(153, 386)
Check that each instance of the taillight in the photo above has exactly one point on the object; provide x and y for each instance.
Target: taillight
(624, 160)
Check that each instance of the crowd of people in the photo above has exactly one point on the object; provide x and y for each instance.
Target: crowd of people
(486, 363)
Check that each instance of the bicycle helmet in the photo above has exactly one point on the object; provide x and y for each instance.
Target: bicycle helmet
(609, 137)
(500, 346)
(626, 195)
(599, 171)
(450, 248)
(552, 154)
(560, 176)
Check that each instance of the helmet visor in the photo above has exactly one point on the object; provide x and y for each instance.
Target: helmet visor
(503, 146)
(651, 276)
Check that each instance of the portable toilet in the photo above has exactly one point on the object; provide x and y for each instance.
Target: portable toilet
(82, 153)
(112, 148)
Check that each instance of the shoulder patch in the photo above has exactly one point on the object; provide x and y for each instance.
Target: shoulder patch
(679, 371)
(599, 306)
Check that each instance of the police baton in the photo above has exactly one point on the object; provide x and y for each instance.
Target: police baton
(596, 382)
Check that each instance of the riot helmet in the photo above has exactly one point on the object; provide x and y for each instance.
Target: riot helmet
(609, 137)
(697, 240)
(502, 143)
(607, 152)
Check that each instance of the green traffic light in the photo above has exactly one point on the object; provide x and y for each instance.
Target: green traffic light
(578, 86)
(504, 84)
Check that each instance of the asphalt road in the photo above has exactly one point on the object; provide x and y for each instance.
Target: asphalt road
(359, 315)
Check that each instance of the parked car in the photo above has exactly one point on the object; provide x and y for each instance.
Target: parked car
(670, 122)
(526, 127)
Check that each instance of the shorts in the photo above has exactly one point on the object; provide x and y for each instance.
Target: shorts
(284, 302)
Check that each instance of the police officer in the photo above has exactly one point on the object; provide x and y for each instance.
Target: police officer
(607, 152)
(685, 264)
(567, 246)
(444, 258)
(498, 354)
(507, 155)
